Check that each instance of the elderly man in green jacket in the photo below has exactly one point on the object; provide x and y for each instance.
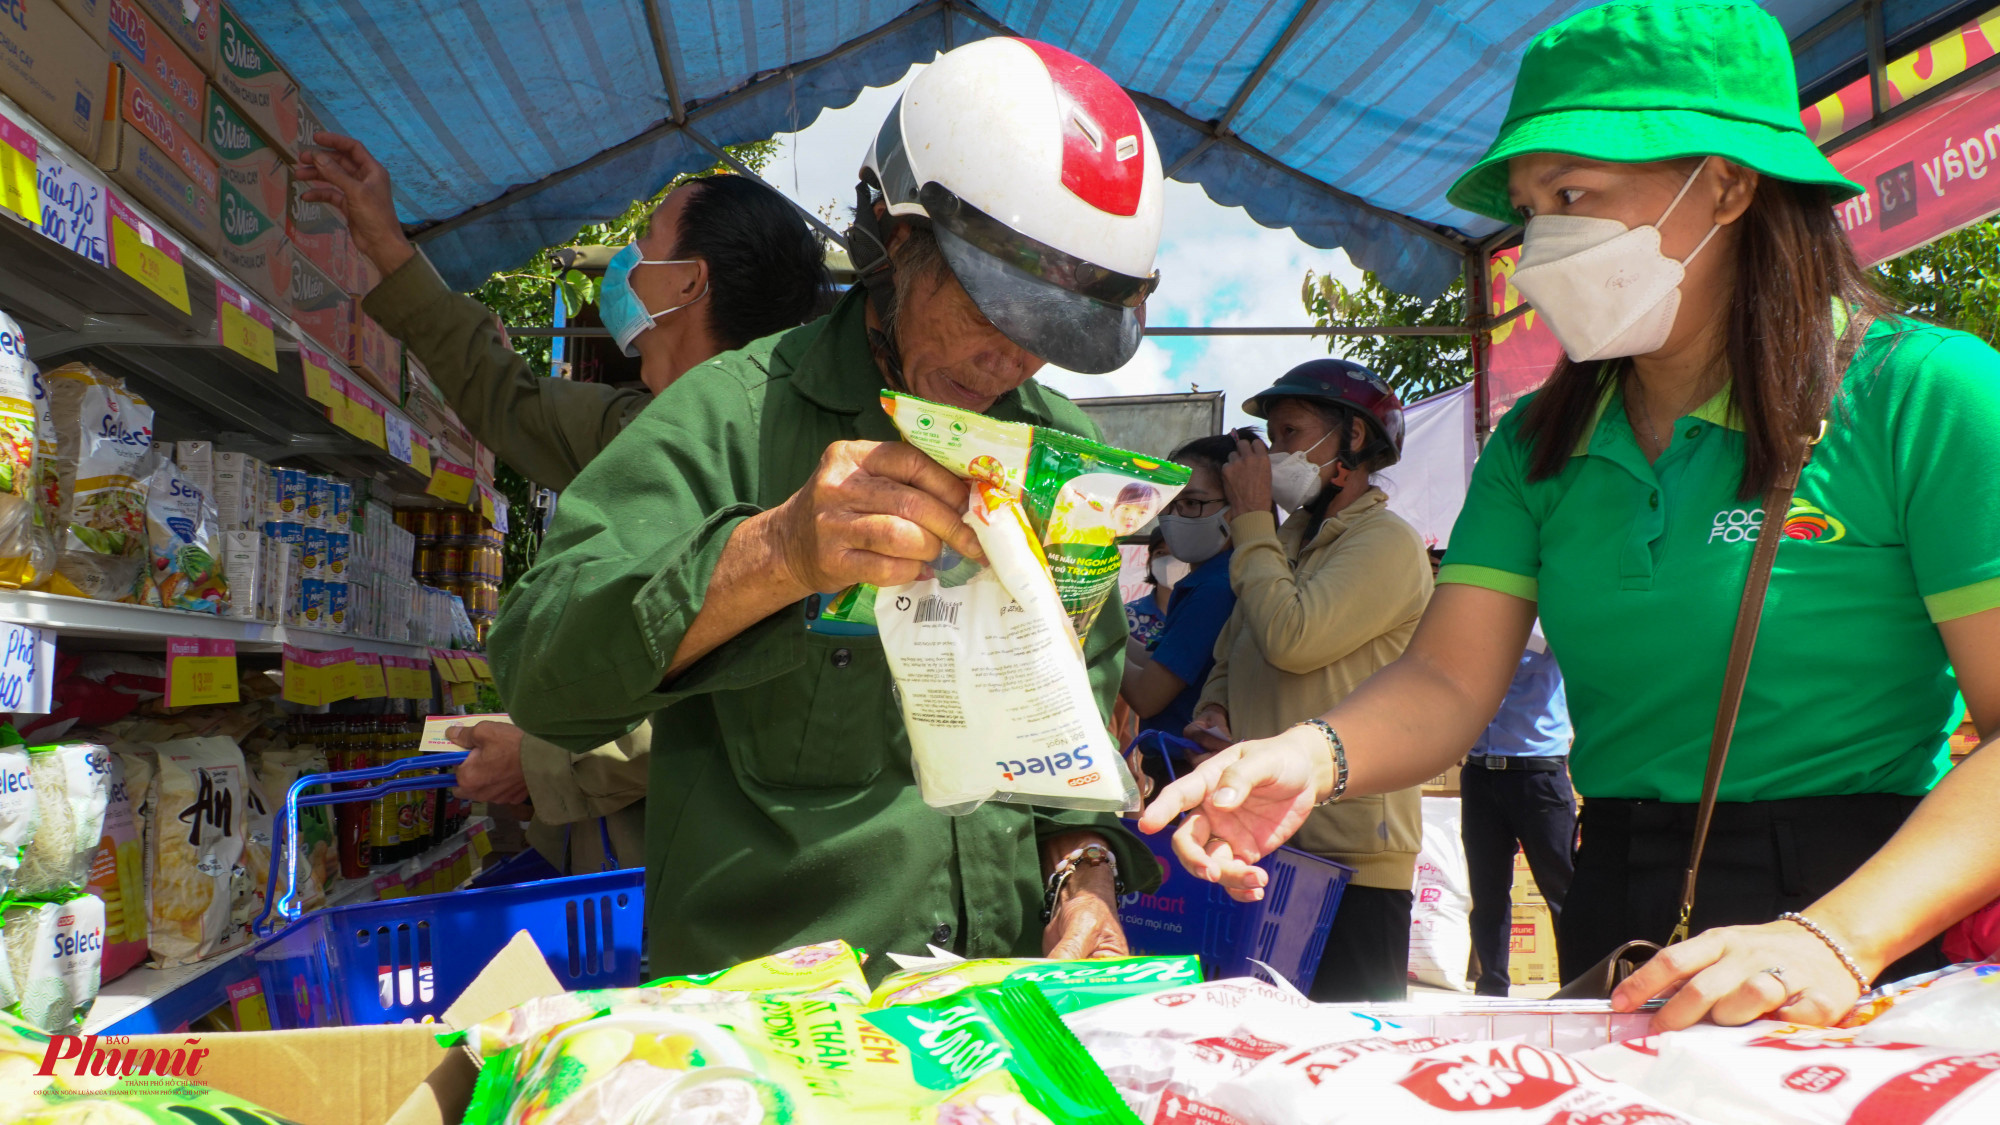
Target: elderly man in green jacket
(727, 260)
(684, 569)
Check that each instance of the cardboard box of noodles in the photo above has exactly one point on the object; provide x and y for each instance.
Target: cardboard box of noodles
(189, 23)
(54, 69)
(1531, 951)
(161, 164)
(255, 84)
(321, 235)
(136, 42)
(245, 158)
(394, 1074)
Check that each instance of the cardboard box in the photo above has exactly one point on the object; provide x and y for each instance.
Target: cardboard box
(161, 165)
(1525, 892)
(135, 42)
(1531, 952)
(243, 555)
(55, 70)
(189, 23)
(252, 245)
(320, 234)
(245, 158)
(1445, 784)
(251, 79)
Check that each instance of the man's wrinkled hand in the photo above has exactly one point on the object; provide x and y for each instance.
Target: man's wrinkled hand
(347, 177)
(1210, 730)
(875, 512)
(493, 773)
(1085, 923)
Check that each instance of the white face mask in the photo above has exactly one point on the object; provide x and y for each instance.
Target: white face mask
(1166, 571)
(1195, 540)
(1604, 288)
(1295, 480)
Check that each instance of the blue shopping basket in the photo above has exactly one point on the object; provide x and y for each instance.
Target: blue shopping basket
(409, 958)
(1286, 929)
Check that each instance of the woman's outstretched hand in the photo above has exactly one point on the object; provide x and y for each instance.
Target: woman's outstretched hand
(1241, 804)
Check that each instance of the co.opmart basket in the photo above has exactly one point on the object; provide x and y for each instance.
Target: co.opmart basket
(408, 958)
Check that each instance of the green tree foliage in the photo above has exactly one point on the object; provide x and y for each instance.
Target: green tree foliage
(1417, 367)
(527, 295)
(1954, 281)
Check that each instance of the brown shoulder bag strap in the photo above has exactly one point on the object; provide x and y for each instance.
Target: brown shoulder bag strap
(1749, 614)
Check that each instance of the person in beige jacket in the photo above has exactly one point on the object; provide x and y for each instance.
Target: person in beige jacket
(1322, 603)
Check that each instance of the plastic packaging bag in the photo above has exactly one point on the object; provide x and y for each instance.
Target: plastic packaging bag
(1440, 940)
(72, 789)
(118, 874)
(1958, 1006)
(18, 811)
(996, 1055)
(1070, 986)
(183, 571)
(104, 453)
(276, 770)
(194, 849)
(1773, 1073)
(991, 679)
(53, 953)
(23, 555)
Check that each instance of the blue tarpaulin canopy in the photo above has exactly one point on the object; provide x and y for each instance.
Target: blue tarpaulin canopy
(509, 124)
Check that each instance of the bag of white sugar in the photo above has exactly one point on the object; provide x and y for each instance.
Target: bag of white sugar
(54, 951)
(72, 789)
(991, 679)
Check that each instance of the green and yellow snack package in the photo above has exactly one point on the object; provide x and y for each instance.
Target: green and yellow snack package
(1069, 986)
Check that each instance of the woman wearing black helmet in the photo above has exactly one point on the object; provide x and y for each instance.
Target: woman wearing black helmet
(1322, 603)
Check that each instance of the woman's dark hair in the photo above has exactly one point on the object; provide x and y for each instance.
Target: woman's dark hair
(1157, 541)
(766, 268)
(1211, 452)
(1792, 262)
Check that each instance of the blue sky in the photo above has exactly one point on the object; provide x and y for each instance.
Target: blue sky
(1216, 265)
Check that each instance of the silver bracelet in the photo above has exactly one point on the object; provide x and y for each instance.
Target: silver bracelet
(1339, 749)
(1812, 928)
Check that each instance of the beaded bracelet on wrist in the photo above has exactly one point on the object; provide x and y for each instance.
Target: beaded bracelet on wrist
(1339, 750)
(1812, 928)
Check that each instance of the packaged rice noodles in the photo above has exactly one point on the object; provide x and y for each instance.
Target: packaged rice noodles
(118, 873)
(991, 679)
(104, 453)
(72, 788)
(1070, 986)
(53, 949)
(183, 569)
(995, 1054)
(194, 850)
(24, 557)
(19, 812)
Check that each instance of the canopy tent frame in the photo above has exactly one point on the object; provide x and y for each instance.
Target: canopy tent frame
(1475, 252)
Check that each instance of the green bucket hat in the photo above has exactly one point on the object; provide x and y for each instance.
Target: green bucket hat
(1638, 81)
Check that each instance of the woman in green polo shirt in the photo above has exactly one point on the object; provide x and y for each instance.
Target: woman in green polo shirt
(1681, 244)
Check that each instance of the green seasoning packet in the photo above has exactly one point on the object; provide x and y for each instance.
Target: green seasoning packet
(1069, 986)
(1000, 1050)
(1081, 496)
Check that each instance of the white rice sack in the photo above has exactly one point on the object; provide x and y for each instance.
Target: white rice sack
(54, 952)
(194, 849)
(72, 790)
(992, 683)
(18, 812)
(1440, 919)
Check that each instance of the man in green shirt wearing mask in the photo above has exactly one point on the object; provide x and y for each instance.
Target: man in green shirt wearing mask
(722, 261)
(683, 571)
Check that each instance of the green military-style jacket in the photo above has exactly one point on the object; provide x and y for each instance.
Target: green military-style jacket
(781, 807)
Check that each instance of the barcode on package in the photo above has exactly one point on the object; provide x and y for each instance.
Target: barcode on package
(935, 608)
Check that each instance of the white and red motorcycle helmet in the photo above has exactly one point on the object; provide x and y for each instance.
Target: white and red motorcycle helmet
(1043, 185)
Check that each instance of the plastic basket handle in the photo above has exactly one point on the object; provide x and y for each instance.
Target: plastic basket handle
(285, 848)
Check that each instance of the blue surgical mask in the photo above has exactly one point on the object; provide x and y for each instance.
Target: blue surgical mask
(624, 314)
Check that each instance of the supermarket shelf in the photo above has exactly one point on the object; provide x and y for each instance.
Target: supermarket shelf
(73, 309)
(147, 627)
(147, 1000)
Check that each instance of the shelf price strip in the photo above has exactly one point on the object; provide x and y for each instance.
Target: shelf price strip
(200, 671)
(18, 176)
(149, 257)
(245, 326)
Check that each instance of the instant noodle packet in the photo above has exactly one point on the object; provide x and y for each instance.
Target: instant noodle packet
(1070, 986)
(992, 1055)
(24, 557)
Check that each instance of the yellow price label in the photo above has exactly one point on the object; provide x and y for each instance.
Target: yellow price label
(301, 678)
(451, 484)
(442, 662)
(464, 694)
(146, 256)
(319, 378)
(406, 679)
(486, 504)
(338, 679)
(480, 668)
(354, 417)
(461, 668)
(245, 327)
(200, 672)
(375, 430)
(481, 846)
(20, 190)
(369, 681)
(420, 457)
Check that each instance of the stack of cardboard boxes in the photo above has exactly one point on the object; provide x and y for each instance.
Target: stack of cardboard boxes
(1531, 954)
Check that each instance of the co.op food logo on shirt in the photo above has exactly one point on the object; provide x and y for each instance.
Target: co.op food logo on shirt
(1803, 521)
